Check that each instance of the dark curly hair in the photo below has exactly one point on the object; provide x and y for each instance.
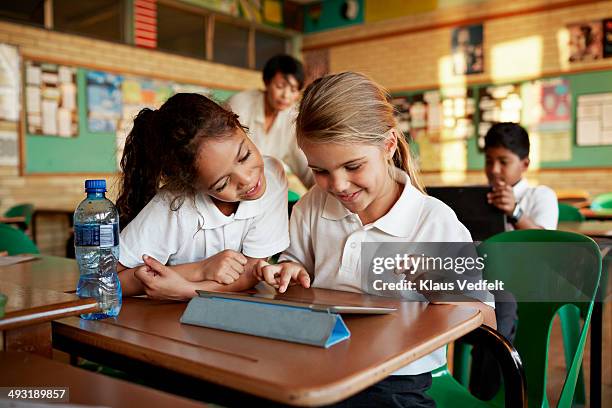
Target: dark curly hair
(161, 150)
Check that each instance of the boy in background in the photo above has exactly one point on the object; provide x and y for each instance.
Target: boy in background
(506, 161)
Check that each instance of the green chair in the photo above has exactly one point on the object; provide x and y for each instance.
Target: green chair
(15, 241)
(569, 213)
(292, 198)
(567, 276)
(22, 210)
(602, 202)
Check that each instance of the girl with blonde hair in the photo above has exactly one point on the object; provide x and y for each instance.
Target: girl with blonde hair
(367, 190)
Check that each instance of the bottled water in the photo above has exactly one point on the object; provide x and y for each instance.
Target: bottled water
(96, 242)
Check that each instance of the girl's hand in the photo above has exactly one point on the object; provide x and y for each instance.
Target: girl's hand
(162, 282)
(281, 275)
(224, 267)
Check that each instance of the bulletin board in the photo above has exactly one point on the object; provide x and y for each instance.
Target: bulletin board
(88, 151)
(581, 156)
(576, 156)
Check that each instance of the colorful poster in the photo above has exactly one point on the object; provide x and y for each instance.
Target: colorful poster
(104, 103)
(139, 93)
(467, 50)
(547, 117)
(607, 38)
(585, 41)
(51, 99)
(10, 83)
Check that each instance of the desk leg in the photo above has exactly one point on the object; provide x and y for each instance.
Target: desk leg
(32, 339)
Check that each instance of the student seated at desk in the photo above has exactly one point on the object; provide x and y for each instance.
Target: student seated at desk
(366, 190)
(506, 161)
(196, 195)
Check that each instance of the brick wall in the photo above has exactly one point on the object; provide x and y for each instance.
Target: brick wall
(524, 39)
(65, 191)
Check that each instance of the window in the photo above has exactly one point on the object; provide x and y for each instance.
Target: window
(231, 44)
(23, 11)
(102, 19)
(266, 46)
(181, 32)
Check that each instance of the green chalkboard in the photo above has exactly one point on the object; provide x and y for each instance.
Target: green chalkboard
(88, 152)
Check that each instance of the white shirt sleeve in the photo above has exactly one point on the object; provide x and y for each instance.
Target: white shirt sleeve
(269, 233)
(154, 232)
(300, 249)
(545, 209)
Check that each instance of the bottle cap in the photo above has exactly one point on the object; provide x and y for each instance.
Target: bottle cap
(95, 186)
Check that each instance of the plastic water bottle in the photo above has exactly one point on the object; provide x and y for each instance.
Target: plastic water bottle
(96, 244)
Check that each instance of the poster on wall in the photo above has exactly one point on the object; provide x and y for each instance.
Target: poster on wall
(498, 103)
(607, 38)
(10, 105)
(10, 83)
(585, 41)
(51, 99)
(467, 50)
(402, 113)
(439, 122)
(104, 102)
(594, 120)
(547, 118)
(139, 93)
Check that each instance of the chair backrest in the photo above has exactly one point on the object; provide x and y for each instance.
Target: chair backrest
(21, 210)
(15, 241)
(545, 271)
(602, 202)
(569, 213)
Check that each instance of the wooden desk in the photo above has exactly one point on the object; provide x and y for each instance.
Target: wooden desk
(28, 370)
(26, 325)
(590, 228)
(47, 272)
(601, 215)
(148, 334)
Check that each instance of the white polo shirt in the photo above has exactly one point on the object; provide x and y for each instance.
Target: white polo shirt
(538, 203)
(279, 141)
(326, 238)
(198, 229)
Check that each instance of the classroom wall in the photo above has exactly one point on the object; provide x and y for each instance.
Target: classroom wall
(65, 191)
(522, 41)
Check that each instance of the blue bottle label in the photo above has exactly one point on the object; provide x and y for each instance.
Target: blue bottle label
(104, 236)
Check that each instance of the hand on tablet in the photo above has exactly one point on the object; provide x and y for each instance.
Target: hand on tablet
(282, 274)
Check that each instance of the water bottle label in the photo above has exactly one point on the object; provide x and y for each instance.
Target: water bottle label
(104, 236)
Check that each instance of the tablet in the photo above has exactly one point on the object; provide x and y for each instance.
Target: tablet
(266, 298)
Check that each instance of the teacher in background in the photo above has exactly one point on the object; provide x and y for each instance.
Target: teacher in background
(270, 114)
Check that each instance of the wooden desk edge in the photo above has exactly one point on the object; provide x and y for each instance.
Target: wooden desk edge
(43, 314)
(314, 396)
